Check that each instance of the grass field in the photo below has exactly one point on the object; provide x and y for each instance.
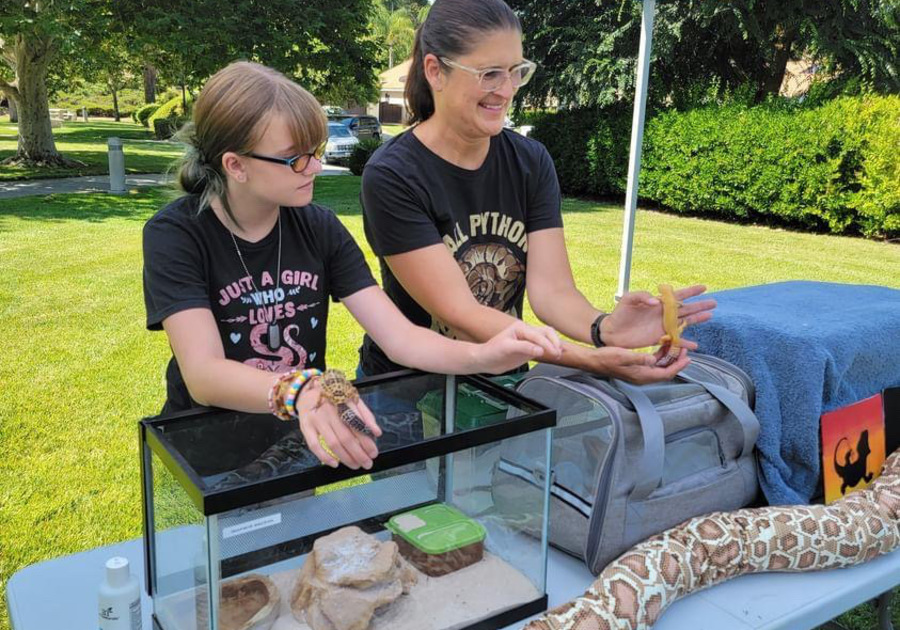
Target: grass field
(78, 368)
(393, 129)
(86, 142)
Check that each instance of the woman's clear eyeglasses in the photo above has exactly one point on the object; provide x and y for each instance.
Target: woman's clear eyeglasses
(298, 163)
(492, 79)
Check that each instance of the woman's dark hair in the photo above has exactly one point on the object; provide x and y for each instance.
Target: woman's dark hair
(452, 29)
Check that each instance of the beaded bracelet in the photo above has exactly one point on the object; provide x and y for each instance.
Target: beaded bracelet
(276, 394)
(290, 399)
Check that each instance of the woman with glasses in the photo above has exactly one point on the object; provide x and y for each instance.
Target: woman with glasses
(240, 270)
(464, 215)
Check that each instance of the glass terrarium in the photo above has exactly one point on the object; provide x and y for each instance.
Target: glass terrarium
(244, 529)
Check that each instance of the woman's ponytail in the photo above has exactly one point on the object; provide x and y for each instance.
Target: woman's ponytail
(419, 100)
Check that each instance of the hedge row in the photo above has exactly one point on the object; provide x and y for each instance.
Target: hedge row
(142, 115)
(834, 167)
(587, 146)
(166, 120)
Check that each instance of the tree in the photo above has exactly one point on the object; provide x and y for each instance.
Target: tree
(33, 33)
(418, 16)
(587, 49)
(324, 45)
(393, 30)
(8, 75)
(849, 36)
(151, 75)
(861, 40)
(108, 62)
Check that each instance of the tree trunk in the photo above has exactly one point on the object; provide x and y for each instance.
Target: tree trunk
(13, 109)
(115, 95)
(775, 75)
(150, 77)
(36, 144)
(183, 97)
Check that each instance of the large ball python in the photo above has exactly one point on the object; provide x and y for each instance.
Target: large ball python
(635, 589)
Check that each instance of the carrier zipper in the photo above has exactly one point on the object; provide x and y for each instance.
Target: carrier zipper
(586, 387)
(559, 491)
(674, 437)
(595, 524)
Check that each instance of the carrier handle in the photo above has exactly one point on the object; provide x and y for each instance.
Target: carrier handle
(735, 404)
(653, 436)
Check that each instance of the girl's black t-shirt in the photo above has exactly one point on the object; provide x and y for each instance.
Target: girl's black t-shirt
(190, 261)
(412, 198)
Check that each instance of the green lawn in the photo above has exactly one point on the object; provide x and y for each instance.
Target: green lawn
(86, 142)
(392, 129)
(78, 368)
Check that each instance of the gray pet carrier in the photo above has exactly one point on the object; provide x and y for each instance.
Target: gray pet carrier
(631, 461)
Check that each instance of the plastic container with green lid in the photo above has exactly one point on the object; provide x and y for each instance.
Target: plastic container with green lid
(473, 409)
(438, 539)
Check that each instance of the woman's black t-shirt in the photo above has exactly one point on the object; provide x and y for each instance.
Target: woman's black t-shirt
(412, 198)
(190, 261)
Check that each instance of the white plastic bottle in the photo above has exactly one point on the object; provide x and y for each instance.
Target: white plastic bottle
(120, 597)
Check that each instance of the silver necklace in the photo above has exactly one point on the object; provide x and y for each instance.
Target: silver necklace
(274, 336)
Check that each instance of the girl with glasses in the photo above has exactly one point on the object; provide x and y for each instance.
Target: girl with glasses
(465, 215)
(240, 270)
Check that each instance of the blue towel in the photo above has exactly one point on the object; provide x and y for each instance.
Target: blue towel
(809, 347)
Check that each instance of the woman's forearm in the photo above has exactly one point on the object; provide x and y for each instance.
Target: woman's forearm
(568, 311)
(426, 350)
(231, 385)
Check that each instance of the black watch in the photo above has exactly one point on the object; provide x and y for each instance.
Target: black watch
(595, 330)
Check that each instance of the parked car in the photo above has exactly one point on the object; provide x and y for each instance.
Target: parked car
(340, 143)
(360, 126)
(334, 110)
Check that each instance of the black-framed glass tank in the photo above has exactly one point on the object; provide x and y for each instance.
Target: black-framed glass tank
(244, 529)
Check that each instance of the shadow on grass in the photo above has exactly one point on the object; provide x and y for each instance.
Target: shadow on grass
(90, 132)
(339, 193)
(95, 163)
(136, 205)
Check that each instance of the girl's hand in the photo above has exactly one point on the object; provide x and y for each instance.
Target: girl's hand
(637, 367)
(516, 344)
(352, 449)
(636, 321)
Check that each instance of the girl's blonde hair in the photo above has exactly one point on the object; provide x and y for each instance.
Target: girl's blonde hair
(231, 114)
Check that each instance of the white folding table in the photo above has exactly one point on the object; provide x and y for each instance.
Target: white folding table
(61, 594)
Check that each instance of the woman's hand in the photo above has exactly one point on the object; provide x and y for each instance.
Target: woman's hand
(636, 321)
(516, 344)
(637, 367)
(352, 449)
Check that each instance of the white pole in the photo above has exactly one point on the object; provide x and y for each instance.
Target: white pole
(637, 137)
(116, 165)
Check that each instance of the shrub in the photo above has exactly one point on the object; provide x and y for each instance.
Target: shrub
(361, 154)
(143, 114)
(589, 147)
(877, 201)
(831, 166)
(166, 120)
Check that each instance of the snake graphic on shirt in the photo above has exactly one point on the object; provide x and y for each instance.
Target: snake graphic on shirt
(494, 275)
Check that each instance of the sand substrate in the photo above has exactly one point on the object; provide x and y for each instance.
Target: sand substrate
(451, 601)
